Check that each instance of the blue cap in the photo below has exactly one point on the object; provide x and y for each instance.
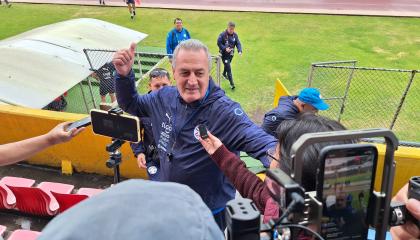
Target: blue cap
(313, 97)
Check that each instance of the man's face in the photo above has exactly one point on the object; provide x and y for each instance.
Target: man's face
(157, 83)
(341, 200)
(231, 30)
(178, 25)
(191, 74)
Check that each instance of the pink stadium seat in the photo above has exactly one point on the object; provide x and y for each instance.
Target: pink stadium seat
(39, 200)
(2, 230)
(89, 191)
(21, 234)
(8, 199)
(18, 181)
(68, 200)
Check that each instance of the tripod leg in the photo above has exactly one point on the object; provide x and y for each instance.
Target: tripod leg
(117, 174)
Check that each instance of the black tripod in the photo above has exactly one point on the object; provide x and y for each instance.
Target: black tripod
(114, 160)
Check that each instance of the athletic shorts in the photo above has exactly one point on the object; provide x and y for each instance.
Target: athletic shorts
(106, 86)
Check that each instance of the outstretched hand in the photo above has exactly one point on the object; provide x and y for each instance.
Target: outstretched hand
(60, 135)
(210, 144)
(123, 60)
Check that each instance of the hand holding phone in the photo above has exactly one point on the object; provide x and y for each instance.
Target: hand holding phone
(210, 143)
(78, 124)
(203, 131)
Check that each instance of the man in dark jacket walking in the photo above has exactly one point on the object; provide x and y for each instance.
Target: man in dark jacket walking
(176, 112)
(227, 41)
(309, 99)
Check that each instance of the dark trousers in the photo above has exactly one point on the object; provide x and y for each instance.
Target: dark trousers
(227, 70)
(220, 220)
(6, 1)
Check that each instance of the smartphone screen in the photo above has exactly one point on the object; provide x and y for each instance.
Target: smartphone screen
(345, 183)
(121, 127)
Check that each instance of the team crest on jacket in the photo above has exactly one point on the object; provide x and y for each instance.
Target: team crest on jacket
(196, 133)
(238, 111)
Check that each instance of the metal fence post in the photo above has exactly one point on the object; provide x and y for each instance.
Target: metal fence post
(139, 64)
(311, 73)
(343, 102)
(397, 112)
(88, 58)
(91, 93)
(84, 97)
(218, 67)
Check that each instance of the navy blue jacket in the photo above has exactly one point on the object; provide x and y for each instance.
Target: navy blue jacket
(147, 146)
(183, 158)
(226, 40)
(174, 38)
(285, 110)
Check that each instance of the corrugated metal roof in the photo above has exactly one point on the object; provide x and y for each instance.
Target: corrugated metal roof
(39, 65)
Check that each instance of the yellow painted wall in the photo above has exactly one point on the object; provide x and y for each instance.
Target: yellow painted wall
(407, 161)
(86, 151)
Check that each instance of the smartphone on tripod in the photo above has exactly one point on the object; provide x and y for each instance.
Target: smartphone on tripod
(345, 184)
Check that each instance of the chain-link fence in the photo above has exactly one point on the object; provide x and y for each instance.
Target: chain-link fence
(370, 97)
(98, 90)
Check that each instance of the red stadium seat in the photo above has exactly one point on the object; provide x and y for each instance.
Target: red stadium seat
(39, 200)
(21, 234)
(8, 199)
(68, 200)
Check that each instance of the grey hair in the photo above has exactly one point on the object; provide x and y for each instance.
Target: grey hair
(191, 45)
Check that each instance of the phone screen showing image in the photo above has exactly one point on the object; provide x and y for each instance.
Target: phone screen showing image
(345, 189)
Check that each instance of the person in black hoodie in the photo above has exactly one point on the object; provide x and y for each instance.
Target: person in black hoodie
(227, 41)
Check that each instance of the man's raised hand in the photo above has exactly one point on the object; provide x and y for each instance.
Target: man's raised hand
(123, 60)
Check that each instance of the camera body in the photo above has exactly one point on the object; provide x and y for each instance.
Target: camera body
(379, 214)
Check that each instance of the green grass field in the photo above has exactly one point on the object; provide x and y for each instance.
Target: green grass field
(275, 45)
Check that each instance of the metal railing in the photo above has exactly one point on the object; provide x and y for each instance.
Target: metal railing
(361, 97)
(98, 89)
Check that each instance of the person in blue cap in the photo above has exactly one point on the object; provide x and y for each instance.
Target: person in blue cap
(309, 99)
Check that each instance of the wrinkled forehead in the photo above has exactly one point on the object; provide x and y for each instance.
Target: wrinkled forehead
(192, 60)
